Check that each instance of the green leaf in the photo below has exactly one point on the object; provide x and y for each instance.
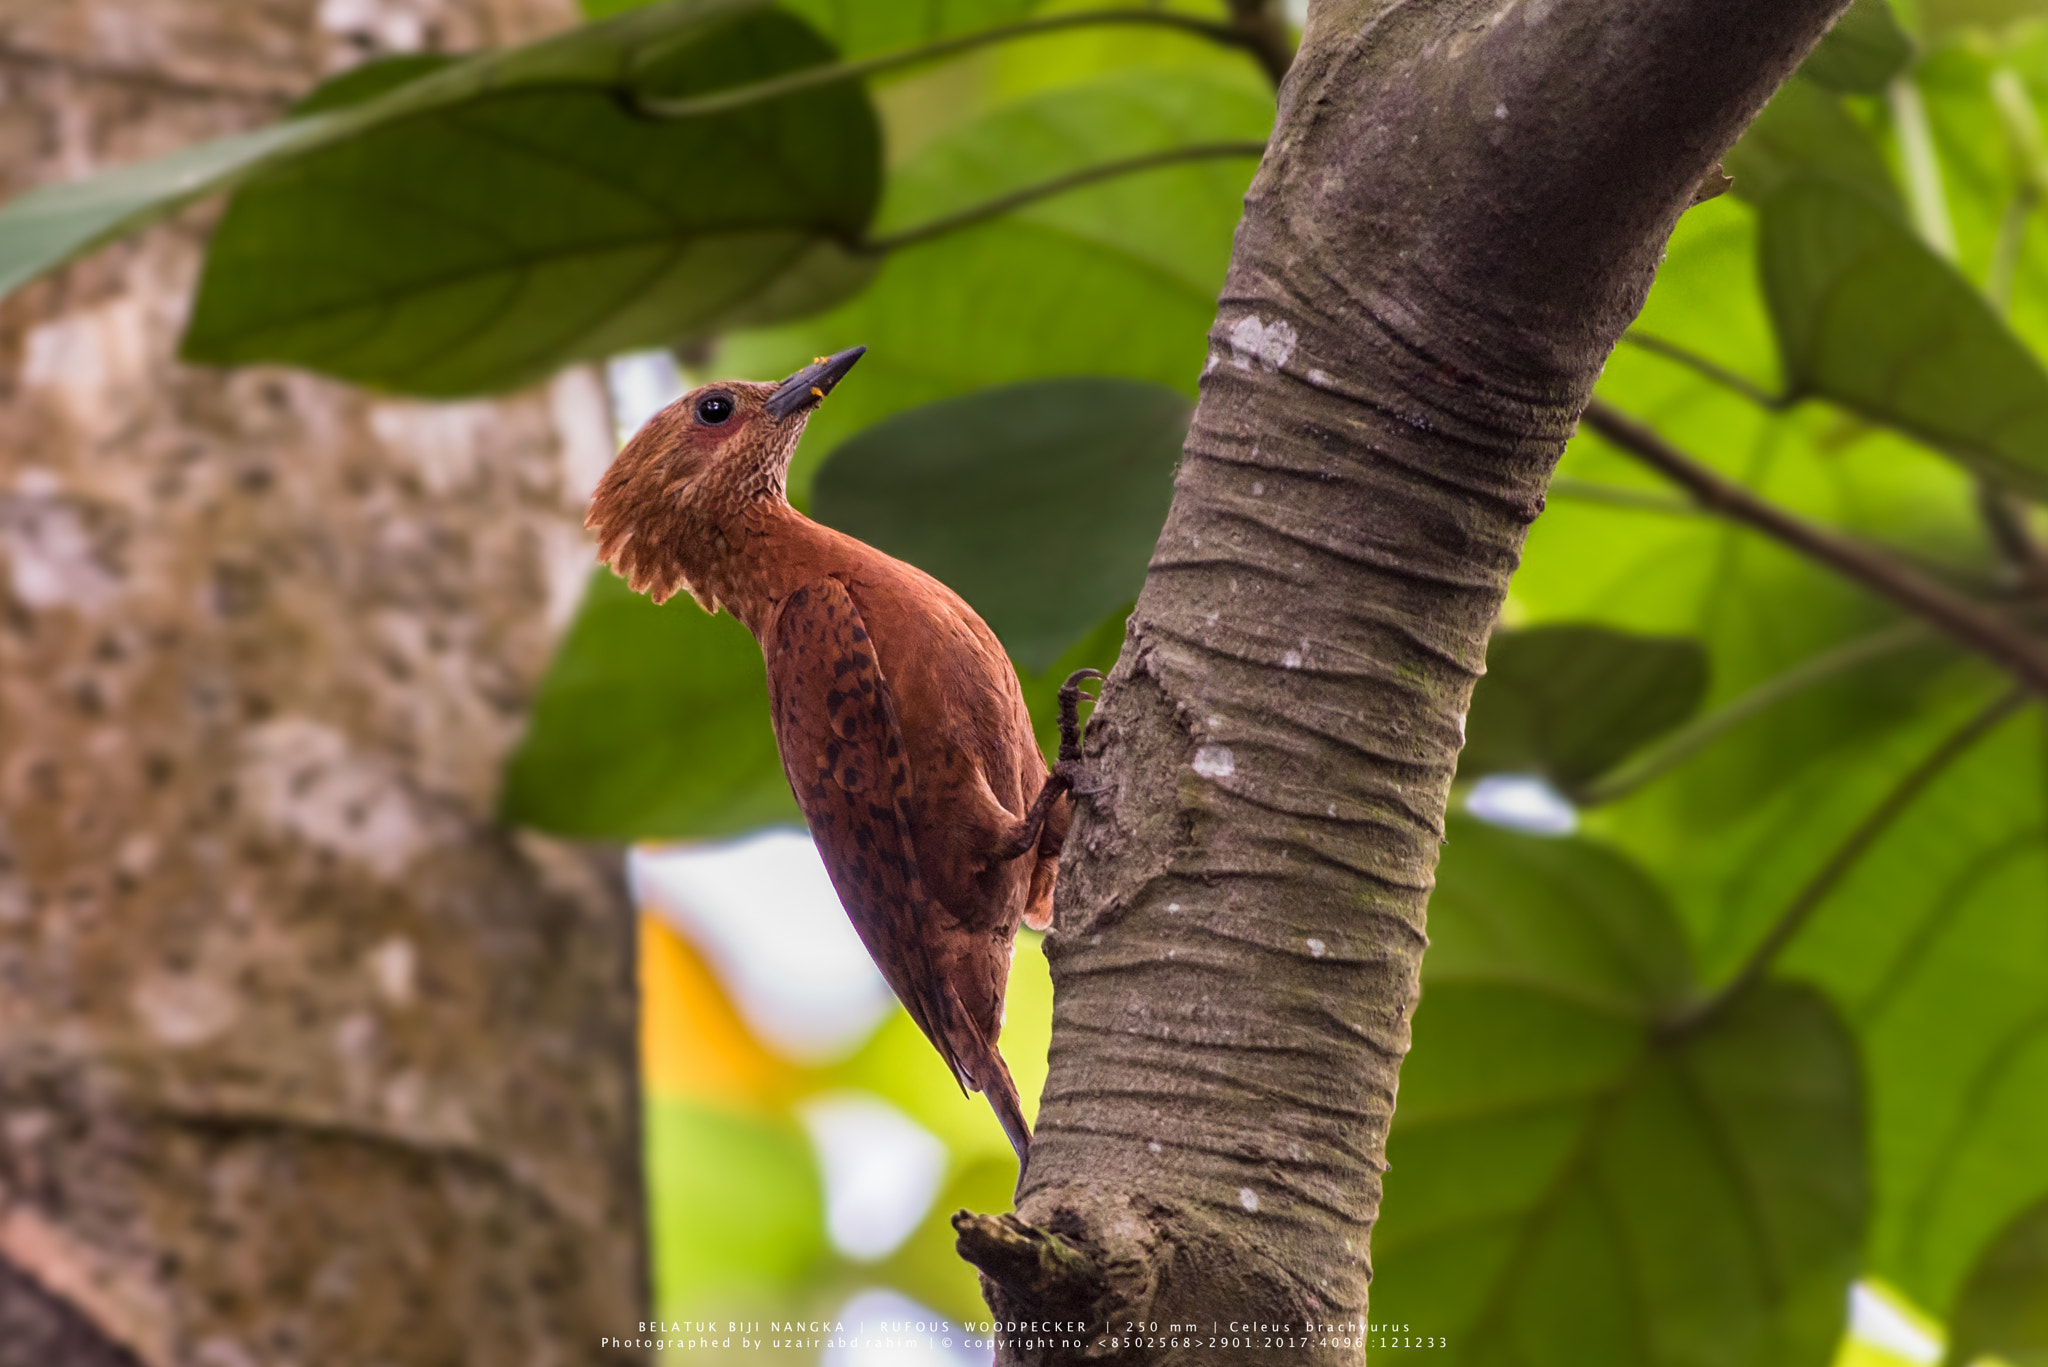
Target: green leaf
(1571, 702)
(1936, 950)
(1862, 52)
(651, 723)
(481, 246)
(1566, 1186)
(1038, 503)
(1869, 317)
(361, 84)
(859, 27)
(1804, 130)
(1120, 278)
(45, 228)
(2003, 1309)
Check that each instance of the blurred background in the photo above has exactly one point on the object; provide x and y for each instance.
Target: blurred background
(394, 912)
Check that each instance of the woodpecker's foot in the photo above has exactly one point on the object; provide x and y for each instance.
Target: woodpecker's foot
(1068, 775)
(1023, 837)
(1075, 777)
(1071, 697)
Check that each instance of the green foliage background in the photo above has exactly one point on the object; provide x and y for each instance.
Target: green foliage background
(1773, 1020)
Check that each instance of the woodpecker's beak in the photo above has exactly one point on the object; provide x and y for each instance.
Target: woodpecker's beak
(803, 389)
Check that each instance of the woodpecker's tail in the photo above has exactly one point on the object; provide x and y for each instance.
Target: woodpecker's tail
(1009, 1109)
(979, 1067)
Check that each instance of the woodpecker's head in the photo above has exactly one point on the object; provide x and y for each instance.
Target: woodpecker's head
(698, 462)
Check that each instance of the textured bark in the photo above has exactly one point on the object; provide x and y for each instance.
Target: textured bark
(302, 1060)
(1461, 208)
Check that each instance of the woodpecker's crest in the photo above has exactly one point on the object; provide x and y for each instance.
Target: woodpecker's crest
(660, 510)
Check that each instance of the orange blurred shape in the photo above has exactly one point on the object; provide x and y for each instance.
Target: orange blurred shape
(693, 1044)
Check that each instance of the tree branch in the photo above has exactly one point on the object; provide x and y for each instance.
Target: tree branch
(832, 73)
(1058, 185)
(1839, 864)
(2003, 642)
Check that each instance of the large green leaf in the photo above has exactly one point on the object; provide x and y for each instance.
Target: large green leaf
(1869, 317)
(863, 26)
(1863, 51)
(361, 84)
(1038, 503)
(1570, 702)
(480, 246)
(2003, 1309)
(1569, 1185)
(1117, 279)
(858, 27)
(1936, 949)
(1806, 130)
(46, 227)
(651, 722)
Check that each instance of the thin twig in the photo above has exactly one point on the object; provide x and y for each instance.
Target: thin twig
(1073, 180)
(1830, 875)
(1712, 370)
(831, 73)
(1682, 744)
(1621, 496)
(1974, 625)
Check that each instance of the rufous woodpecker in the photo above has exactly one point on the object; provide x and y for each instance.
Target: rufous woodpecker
(900, 722)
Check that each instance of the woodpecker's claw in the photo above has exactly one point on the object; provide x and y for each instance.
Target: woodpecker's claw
(1070, 715)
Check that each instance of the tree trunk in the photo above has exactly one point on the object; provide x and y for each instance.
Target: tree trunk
(1461, 208)
(302, 1059)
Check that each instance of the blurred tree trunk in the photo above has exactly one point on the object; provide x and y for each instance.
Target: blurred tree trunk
(1460, 210)
(302, 1060)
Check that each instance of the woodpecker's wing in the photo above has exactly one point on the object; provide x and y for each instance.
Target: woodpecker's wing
(835, 723)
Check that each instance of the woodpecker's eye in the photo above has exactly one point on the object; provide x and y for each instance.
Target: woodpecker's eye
(714, 409)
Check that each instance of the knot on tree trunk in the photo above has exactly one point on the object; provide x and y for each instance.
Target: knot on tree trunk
(1033, 1269)
(1069, 1278)
(1081, 1275)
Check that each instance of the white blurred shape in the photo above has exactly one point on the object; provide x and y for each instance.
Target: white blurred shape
(1876, 1321)
(582, 410)
(763, 912)
(882, 1171)
(1522, 802)
(641, 384)
(887, 1329)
